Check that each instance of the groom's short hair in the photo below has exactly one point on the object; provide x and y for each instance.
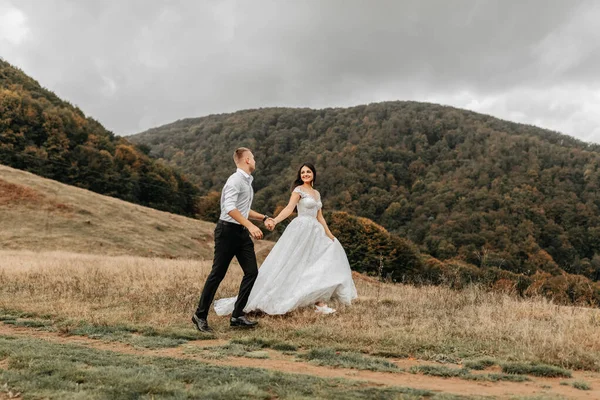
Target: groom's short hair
(238, 154)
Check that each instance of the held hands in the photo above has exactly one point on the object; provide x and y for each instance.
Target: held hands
(270, 223)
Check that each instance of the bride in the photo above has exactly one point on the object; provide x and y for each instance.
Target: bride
(307, 266)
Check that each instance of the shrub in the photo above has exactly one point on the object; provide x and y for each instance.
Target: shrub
(369, 246)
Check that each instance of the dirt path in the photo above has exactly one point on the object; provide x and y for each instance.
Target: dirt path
(288, 364)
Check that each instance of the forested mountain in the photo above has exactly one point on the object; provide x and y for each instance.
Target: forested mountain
(459, 184)
(43, 134)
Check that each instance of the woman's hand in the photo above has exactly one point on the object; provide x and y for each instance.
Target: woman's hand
(330, 236)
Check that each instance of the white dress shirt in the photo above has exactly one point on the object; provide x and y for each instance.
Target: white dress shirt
(237, 193)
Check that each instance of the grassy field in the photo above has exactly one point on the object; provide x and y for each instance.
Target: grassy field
(432, 323)
(75, 372)
(74, 264)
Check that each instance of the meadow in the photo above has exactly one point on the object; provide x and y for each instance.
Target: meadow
(431, 322)
(96, 296)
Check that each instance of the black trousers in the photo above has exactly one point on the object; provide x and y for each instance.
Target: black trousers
(230, 240)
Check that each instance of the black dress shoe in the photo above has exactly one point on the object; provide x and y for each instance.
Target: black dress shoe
(201, 324)
(242, 322)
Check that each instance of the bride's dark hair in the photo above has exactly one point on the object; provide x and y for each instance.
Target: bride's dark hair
(299, 180)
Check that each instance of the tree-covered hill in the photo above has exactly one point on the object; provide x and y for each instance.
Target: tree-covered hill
(459, 184)
(45, 135)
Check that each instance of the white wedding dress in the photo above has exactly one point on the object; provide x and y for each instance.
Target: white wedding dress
(304, 267)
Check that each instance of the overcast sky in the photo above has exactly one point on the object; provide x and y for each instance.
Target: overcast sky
(137, 64)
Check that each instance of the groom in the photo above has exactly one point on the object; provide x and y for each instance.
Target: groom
(232, 238)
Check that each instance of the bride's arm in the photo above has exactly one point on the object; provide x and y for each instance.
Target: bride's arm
(294, 199)
(322, 221)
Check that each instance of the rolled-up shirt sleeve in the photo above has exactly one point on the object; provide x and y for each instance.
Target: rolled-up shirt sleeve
(231, 192)
(237, 194)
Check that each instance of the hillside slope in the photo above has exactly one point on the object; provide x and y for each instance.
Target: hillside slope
(41, 133)
(41, 214)
(457, 183)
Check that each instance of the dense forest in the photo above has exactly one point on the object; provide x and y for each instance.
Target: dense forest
(462, 186)
(45, 135)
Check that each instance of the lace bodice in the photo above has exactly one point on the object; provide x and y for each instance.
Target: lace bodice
(308, 204)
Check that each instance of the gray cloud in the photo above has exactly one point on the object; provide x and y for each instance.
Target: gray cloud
(137, 64)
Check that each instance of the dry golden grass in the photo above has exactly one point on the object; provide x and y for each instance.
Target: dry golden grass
(42, 214)
(428, 322)
(117, 286)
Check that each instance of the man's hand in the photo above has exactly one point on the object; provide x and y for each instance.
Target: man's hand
(255, 232)
(270, 224)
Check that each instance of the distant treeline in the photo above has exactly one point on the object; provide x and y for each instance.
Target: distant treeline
(460, 185)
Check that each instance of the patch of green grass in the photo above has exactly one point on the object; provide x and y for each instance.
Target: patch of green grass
(15, 314)
(83, 328)
(257, 354)
(152, 342)
(349, 360)
(390, 354)
(548, 371)
(125, 335)
(40, 369)
(479, 364)
(143, 337)
(261, 343)
(203, 352)
(497, 377)
(447, 372)
(439, 370)
(285, 347)
(443, 358)
(29, 323)
(254, 343)
(232, 349)
(228, 350)
(581, 385)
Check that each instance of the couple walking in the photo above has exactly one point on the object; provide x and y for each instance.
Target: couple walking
(306, 267)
